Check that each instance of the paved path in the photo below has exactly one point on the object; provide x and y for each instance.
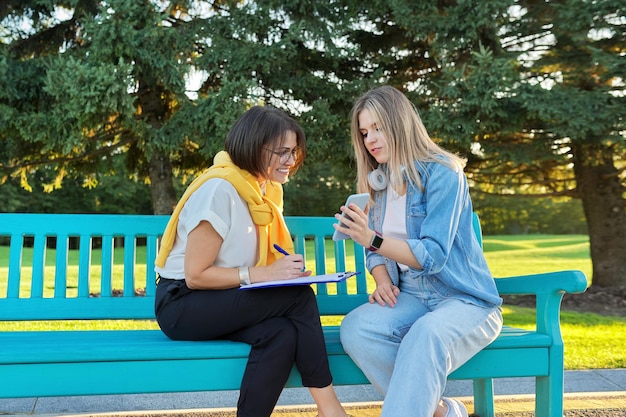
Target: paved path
(599, 384)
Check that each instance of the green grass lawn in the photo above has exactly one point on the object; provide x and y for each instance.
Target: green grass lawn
(591, 341)
(529, 254)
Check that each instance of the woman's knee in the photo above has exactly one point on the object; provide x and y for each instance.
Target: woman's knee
(351, 331)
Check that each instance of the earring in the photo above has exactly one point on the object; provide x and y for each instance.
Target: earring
(377, 179)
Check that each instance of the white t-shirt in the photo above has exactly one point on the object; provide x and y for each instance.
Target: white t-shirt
(394, 224)
(217, 202)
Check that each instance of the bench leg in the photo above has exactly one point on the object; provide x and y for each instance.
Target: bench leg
(483, 397)
(549, 396)
(549, 389)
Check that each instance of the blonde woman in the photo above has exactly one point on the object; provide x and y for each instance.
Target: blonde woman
(435, 304)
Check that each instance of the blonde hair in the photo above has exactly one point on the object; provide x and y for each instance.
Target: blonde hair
(406, 137)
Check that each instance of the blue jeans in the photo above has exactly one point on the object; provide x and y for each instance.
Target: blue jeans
(408, 351)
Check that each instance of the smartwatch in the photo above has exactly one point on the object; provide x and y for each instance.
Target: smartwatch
(377, 240)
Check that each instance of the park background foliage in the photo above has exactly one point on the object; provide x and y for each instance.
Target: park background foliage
(113, 106)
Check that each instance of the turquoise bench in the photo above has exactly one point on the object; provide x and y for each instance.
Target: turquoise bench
(99, 267)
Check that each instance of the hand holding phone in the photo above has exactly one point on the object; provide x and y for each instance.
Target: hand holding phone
(361, 201)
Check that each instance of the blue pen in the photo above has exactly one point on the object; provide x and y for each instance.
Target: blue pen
(284, 252)
(281, 250)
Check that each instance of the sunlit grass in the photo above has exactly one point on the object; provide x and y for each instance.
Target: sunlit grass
(531, 254)
(12, 326)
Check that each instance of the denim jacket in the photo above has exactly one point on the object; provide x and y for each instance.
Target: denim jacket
(441, 236)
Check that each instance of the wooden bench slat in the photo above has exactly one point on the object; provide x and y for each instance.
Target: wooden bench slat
(37, 267)
(128, 377)
(15, 265)
(106, 267)
(109, 345)
(84, 264)
(151, 253)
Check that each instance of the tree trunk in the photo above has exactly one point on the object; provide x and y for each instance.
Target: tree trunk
(153, 105)
(162, 184)
(601, 192)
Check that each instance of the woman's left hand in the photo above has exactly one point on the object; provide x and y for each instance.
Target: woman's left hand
(385, 294)
(357, 224)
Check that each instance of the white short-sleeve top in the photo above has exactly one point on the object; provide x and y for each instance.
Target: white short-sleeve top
(217, 202)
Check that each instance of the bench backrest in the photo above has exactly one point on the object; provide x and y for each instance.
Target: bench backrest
(99, 266)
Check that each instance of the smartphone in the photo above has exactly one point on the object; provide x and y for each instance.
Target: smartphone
(361, 201)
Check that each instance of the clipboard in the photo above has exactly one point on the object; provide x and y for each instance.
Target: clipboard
(317, 279)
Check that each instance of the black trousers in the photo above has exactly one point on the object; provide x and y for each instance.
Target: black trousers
(282, 324)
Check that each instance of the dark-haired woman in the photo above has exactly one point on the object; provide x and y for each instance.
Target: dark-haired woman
(221, 237)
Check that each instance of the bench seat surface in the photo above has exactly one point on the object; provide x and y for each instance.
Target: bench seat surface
(128, 345)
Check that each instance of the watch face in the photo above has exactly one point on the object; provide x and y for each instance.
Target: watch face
(377, 241)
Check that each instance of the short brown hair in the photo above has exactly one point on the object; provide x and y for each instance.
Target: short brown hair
(260, 127)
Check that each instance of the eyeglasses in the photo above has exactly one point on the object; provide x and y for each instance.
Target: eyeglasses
(283, 156)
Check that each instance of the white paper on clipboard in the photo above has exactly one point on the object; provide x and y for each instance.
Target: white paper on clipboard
(317, 279)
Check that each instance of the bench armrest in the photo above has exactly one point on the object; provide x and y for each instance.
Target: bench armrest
(571, 281)
(548, 289)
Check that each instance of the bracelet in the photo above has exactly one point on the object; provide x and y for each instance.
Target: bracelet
(244, 276)
(377, 240)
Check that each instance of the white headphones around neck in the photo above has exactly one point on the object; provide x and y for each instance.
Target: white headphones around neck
(377, 179)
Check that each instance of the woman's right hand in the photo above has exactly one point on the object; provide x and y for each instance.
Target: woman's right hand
(287, 267)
